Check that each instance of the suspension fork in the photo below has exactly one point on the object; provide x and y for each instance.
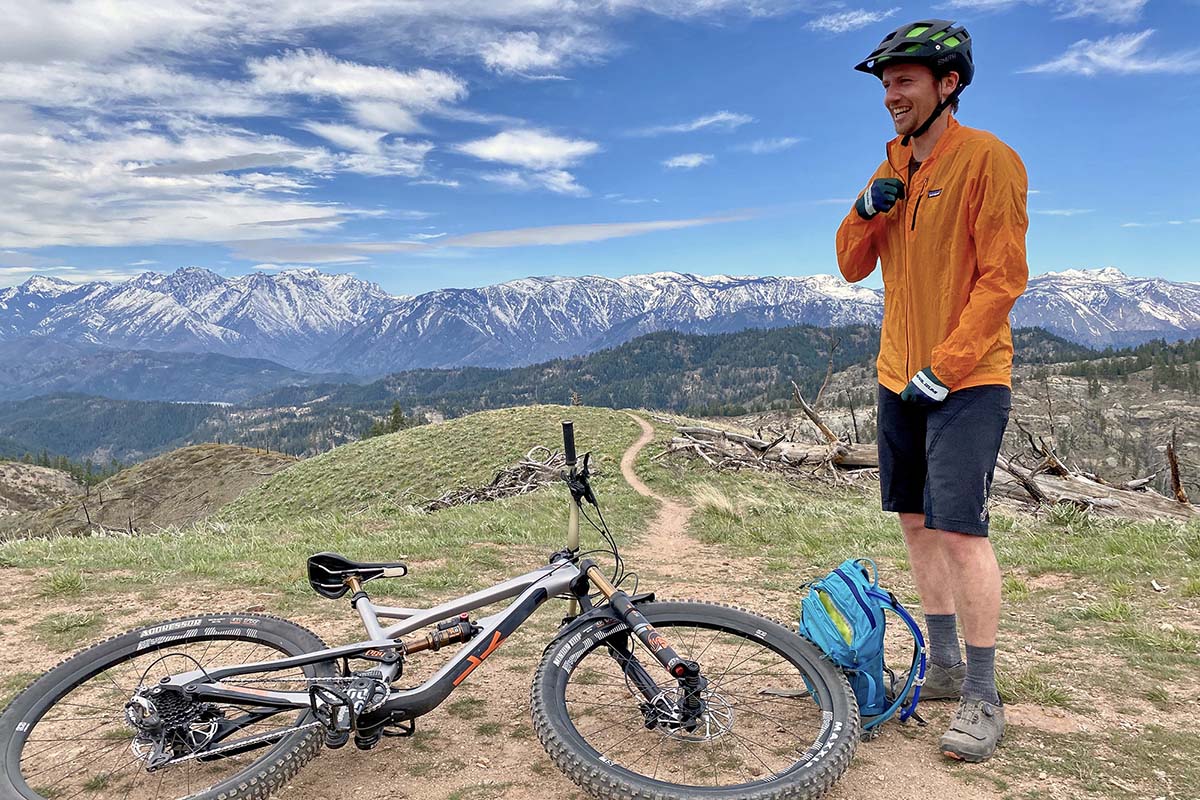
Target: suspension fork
(686, 671)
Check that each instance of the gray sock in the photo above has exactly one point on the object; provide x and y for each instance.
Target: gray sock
(943, 639)
(981, 675)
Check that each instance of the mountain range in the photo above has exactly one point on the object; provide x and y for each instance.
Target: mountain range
(307, 320)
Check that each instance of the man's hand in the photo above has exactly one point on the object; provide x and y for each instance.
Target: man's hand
(879, 197)
(925, 389)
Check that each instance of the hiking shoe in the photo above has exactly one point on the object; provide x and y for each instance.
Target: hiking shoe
(974, 732)
(941, 683)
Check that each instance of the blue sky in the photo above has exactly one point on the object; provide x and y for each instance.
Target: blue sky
(442, 143)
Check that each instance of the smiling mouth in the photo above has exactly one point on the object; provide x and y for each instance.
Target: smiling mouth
(900, 113)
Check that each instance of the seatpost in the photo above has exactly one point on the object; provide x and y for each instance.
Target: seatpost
(573, 518)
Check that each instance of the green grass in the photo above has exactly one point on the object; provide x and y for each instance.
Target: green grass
(13, 683)
(1031, 686)
(1114, 610)
(467, 708)
(488, 728)
(67, 630)
(63, 584)
(480, 791)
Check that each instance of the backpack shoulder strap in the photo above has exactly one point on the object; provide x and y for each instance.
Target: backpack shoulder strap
(916, 674)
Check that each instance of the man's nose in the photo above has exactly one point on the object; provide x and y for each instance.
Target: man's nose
(890, 95)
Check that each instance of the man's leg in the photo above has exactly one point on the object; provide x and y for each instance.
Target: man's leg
(976, 582)
(934, 577)
(963, 440)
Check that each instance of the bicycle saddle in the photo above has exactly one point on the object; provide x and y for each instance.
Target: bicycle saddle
(328, 572)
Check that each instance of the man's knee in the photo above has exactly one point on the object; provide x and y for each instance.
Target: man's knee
(912, 524)
(965, 548)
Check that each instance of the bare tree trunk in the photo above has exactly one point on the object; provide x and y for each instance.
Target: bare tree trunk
(1173, 461)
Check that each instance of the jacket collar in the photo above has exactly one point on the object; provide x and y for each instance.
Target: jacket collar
(901, 154)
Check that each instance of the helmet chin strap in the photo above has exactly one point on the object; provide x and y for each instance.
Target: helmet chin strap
(937, 112)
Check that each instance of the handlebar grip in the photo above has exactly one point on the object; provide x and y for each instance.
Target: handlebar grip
(569, 442)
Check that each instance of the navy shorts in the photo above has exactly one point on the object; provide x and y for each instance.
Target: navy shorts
(939, 460)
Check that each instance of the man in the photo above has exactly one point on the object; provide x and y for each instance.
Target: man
(945, 215)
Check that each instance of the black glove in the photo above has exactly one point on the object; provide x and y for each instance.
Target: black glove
(879, 197)
(925, 389)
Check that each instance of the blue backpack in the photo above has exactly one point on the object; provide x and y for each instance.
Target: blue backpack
(843, 614)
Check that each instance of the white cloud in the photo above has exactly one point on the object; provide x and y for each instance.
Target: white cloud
(316, 74)
(556, 180)
(721, 120)
(762, 146)
(450, 184)
(688, 161)
(347, 136)
(845, 21)
(12, 276)
(531, 149)
(1064, 212)
(1120, 54)
(532, 54)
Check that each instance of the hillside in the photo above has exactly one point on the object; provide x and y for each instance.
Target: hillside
(28, 487)
(38, 365)
(386, 475)
(172, 490)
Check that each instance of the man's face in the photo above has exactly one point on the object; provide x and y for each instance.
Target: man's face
(910, 95)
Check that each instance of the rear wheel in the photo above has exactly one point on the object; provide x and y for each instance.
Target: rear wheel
(67, 734)
(779, 721)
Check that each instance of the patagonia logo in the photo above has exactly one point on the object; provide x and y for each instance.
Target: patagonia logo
(934, 192)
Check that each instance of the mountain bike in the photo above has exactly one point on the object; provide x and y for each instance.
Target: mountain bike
(633, 697)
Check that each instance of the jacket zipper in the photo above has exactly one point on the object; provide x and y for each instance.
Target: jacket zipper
(854, 591)
(917, 208)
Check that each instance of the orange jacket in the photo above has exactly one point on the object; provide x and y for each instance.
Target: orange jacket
(953, 254)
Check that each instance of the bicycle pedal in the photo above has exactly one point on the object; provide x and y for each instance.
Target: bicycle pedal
(335, 740)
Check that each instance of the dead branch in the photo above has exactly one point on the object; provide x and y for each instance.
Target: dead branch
(833, 346)
(812, 415)
(527, 475)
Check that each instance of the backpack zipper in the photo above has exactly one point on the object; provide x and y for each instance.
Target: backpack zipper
(854, 591)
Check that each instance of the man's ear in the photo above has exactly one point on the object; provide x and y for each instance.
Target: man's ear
(948, 82)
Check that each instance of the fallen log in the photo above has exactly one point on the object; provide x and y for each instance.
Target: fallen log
(1015, 483)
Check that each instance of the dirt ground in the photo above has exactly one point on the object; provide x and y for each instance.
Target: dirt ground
(480, 744)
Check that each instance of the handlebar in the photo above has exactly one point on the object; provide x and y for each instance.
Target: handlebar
(569, 442)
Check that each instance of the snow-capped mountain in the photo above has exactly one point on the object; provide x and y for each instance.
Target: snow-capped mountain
(288, 317)
(537, 319)
(309, 320)
(1107, 307)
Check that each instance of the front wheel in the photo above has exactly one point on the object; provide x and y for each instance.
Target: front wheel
(67, 735)
(779, 720)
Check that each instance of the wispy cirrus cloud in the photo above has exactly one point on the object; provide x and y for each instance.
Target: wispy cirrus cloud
(845, 21)
(1063, 212)
(547, 235)
(763, 146)
(718, 120)
(1121, 54)
(688, 161)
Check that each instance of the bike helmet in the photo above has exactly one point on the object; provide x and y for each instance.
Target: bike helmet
(939, 44)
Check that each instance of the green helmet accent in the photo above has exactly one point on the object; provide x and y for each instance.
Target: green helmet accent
(939, 44)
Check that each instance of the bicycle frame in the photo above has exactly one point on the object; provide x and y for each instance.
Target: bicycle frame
(530, 590)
